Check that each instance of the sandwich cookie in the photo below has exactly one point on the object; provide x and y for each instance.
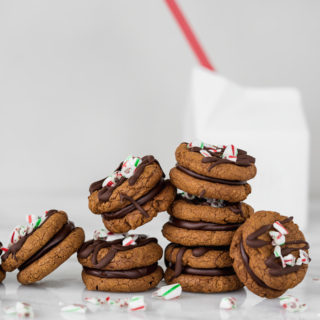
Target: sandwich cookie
(2, 272)
(204, 222)
(133, 195)
(120, 262)
(270, 254)
(41, 246)
(200, 269)
(213, 172)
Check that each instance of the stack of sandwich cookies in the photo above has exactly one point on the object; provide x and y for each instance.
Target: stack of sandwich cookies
(41, 246)
(2, 272)
(120, 262)
(133, 195)
(205, 216)
(270, 254)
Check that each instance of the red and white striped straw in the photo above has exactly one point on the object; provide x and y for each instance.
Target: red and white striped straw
(189, 34)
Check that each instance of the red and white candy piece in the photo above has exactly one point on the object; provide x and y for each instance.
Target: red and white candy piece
(24, 310)
(17, 233)
(303, 258)
(95, 301)
(292, 304)
(130, 240)
(289, 260)
(196, 143)
(111, 180)
(228, 303)
(230, 153)
(129, 166)
(3, 249)
(278, 239)
(74, 308)
(100, 234)
(205, 153)
(115, 236)
(279, 227)
(216, 203)
(137, 303)
(172, 291)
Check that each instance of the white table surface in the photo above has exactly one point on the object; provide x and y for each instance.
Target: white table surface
(64, 286)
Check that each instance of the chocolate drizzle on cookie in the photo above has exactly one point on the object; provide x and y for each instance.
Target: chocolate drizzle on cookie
(105, 192)
(209, 179)
(196, 252)
(275, 269)
(54, 241)
(15, 247)
(124, 274)
(92, 247)
(135, 204)
(204, 226)
(243, 159)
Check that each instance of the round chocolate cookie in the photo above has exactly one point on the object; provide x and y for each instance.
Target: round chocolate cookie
(270, 254)
(198, 233)
(197, 257)
(42, 246)
(209, 210)
(2, 272)
(120, 263)
(201, 186)
(135, 280)
(112, 255)
(215, 162)
(132, 195)
(129, 218)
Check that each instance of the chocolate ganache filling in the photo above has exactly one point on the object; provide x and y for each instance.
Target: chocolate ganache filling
(15, 247)
(204, 226)
(135, 204)
(243, 159)
(55, 240)
(209, 179)
(126, 274)
(105, 192)
(92, 247)
(196, 252)
(235, 207)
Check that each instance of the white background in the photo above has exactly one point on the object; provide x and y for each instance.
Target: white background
(84, 83)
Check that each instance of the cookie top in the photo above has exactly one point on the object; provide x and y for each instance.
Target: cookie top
(110, 251)
(134, 178)
(192, 208)
(222, 163)
(38, 236)
(273, 250)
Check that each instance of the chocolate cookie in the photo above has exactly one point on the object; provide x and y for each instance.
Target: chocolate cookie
(202, 186)
(270, 254)
(226, 162)
(129, 218)
(43, 245)
(198, 233)
(119, 262)
(2, 272)
(132, 195)
(191, 208)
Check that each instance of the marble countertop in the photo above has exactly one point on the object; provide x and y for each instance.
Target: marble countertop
(64, 286)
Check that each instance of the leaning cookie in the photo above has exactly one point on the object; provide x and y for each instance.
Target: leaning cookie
(42, 246)
(133, 195)
(200, 269)
(2, 272)
(270, 254)
(213, 172)
(120, 263)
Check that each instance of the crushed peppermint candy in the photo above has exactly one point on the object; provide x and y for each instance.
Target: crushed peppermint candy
(228, 303)
(291, 304)
(130, 240)
(21, 310)
(74, 308)
(230, 153)
(172, 291)
(136, 303)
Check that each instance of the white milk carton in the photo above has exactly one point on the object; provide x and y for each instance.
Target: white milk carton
(268, 123)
